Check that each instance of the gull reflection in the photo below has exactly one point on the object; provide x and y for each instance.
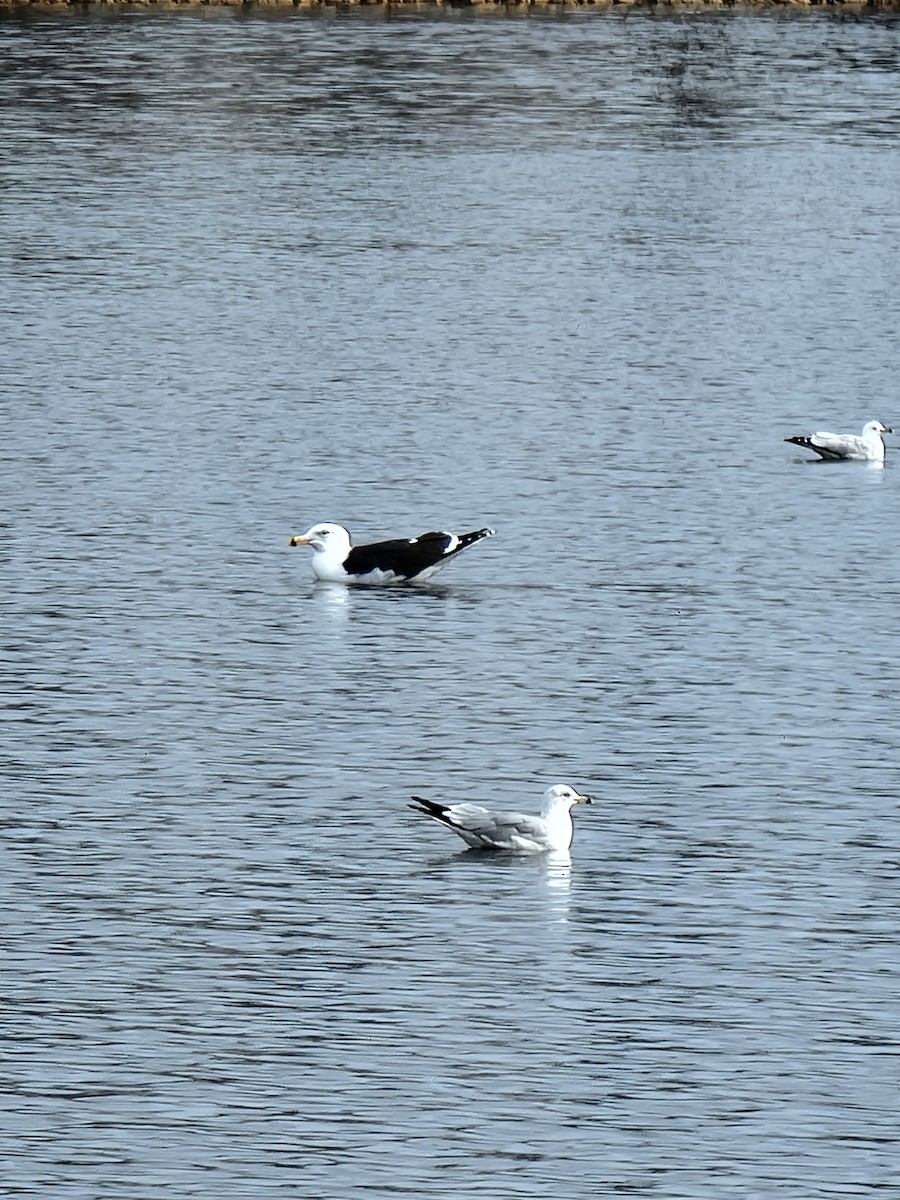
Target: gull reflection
(558, 878)
(549, 877)
(558, 864)
(333, 599)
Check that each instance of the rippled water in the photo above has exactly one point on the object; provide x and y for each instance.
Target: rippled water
(575, 278)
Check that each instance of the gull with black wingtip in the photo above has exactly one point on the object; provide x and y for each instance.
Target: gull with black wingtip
(512, 832)
(847, 447)
(400, 560)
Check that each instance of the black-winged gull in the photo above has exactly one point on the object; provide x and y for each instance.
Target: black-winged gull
(847, 447)
(513, 832)
(401, 560)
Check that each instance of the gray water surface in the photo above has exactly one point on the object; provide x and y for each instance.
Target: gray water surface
(575, 278)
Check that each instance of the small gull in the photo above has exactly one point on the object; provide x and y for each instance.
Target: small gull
(847, 447)
(513, 832)
(401, 560)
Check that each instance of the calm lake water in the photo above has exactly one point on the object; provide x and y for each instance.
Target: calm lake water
(572, 277)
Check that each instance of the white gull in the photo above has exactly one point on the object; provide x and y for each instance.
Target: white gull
(514, 832)
(847, 447)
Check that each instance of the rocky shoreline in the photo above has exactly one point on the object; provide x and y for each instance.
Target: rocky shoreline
(854, 7)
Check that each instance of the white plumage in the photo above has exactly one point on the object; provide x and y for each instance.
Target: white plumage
(847, 447)
(516, 833)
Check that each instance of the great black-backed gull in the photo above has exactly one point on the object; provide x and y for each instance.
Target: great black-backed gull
(510, 831)
(401, 560)
(847, 447)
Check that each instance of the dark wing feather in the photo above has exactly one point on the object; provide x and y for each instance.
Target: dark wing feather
(409, 557)
(439, 542)
(406, 557)
(430, 807)
(808, 444)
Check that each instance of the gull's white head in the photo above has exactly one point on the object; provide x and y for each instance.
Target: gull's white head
(876, 427)
(325, 536)
(562, 796)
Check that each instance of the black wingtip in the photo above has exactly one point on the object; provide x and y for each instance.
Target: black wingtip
(430, 807)
(475, 535)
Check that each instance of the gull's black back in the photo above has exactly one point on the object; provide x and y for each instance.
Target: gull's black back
(404, 556)
(409, 557)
